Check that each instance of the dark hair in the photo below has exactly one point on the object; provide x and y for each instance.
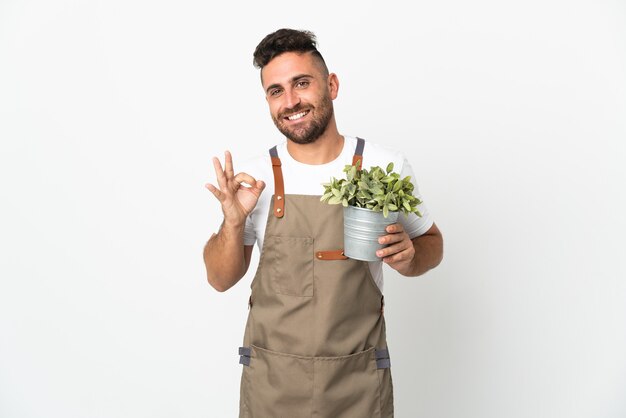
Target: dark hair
(286, 40)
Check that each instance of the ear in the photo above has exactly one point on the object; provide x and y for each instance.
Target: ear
(333, 85)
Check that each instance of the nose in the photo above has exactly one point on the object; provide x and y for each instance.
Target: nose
(292, 99)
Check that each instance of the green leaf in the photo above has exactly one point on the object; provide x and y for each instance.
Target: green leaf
(363, 194)
(385, 211)
(351, 173)
(345, 202)
(326, 196)
(377, 173)
(334, 200)
(392, 207)
(389, 167)
(377, 191)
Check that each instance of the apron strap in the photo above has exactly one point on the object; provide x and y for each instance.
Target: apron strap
(358, 153)
(279, 184)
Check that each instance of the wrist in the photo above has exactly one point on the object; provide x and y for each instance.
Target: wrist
(234, 224)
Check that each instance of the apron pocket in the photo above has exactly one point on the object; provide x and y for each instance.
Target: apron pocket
(291, 265)
(285, 385)
(347, 386)
(278, 385)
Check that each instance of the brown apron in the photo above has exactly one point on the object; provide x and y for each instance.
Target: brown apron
(314, 344)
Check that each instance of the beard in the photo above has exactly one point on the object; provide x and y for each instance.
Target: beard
(311, 131)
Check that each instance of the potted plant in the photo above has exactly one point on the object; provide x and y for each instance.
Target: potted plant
(372, 200)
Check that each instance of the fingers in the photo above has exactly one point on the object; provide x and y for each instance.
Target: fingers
(226, 173)
(394, 228)
(395, 234)
(395, 248)
(399, 257)
(245, 178)
(256, 185)
(392, 238)
(228, 165)
(219, 173)
(399, 245)
(397, 253)
(216, 192)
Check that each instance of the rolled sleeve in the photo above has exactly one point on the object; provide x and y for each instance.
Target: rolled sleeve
(415, 225)
(249, 235)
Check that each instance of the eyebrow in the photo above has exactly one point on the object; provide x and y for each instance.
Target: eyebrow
(293, 80)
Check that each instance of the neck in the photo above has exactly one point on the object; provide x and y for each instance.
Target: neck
(323, 150)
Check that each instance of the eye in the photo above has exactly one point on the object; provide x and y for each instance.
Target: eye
(275, 92)
(303, 84)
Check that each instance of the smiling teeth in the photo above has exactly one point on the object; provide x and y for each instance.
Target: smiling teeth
(297, 115)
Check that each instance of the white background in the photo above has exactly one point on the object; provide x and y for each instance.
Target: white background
(513, 115)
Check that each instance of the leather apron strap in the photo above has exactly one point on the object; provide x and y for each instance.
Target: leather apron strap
(357, 160)
(279, 184)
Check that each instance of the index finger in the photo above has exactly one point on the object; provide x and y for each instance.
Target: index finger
(245, 178)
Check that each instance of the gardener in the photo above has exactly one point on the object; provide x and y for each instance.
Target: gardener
(314, 343)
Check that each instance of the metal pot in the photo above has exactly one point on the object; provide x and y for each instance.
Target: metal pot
(361, 229)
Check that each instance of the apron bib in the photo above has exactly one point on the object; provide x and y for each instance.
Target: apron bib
(314, 344)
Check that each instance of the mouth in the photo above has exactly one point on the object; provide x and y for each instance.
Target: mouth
(297, 116)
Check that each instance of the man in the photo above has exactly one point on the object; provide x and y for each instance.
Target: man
(315, 341)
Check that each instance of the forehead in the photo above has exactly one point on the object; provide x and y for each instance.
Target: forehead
(285, 66)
